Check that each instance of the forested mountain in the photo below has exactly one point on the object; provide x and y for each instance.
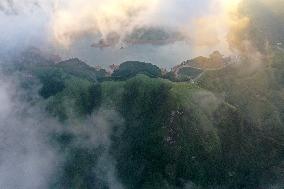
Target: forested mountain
(225, 130)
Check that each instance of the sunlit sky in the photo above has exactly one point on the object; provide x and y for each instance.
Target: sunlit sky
(69, 27)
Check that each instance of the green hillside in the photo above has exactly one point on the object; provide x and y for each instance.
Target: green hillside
(225, 130)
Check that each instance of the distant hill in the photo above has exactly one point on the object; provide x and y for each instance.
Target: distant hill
(153, 36)
(34, 60)
(79, 68)
(140, 36)
(191, 69)
(215, 61)
(35, 56)
(132, 68)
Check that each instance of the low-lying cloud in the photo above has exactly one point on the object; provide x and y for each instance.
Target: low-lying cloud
(30, 156)
(63, 22)
(27, 160)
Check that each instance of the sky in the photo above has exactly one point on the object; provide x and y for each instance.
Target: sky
(69, 28)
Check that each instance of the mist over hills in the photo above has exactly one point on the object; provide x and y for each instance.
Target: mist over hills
(214, 132)
(209, 122)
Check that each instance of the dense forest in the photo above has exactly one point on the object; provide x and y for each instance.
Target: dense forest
(223, 130)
